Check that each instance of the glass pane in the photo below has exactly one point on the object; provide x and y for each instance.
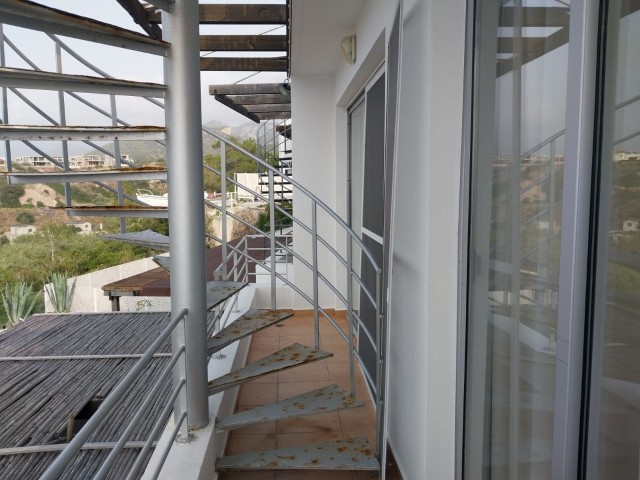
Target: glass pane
(521, 88)
(614, 430)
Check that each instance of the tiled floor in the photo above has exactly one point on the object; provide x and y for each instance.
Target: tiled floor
(359, 422)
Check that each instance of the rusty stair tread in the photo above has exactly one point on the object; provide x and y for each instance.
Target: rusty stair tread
(251, 322)
(322, 400)
(352, 454)
(289, 357)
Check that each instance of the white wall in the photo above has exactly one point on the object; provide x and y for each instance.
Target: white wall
(423, 311)
(314, 167)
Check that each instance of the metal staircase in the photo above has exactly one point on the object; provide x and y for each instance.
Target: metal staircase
(277, 189)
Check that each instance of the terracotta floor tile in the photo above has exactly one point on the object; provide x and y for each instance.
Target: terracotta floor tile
(368, 476)
(271, 331)
(312, 372)
(258, 393)
(239, 443)
(286, 440)
(358, 418)
(271, 343)
(306, 339)
(295, 326)
(313, 423)
(288, 390)
(310, 475)
(344, 381)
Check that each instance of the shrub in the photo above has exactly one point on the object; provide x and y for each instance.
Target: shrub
(10, 195)
(25, 218)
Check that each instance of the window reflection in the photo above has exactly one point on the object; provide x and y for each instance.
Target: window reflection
(615, 415)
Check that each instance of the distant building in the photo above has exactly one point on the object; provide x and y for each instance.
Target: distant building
(631, 225)
(77, 161)
(84, 227)
(18, 230)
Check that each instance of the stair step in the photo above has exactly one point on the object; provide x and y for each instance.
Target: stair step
(125, 174)
(23, 13)
(164, 262)
(353, 454)
(218, 291)
(323, 400)
(21, 78)
(47, 133)
(147, 238)
(288, 357)
(117, 211)
(251, 322)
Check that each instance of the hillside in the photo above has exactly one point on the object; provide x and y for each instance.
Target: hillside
(151, 151)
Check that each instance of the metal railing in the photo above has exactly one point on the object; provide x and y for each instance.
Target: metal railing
(239, 254)
(110, 403)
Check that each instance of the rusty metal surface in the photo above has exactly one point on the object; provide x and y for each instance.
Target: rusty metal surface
(117, 211)
(48, 133)
(23, 78)
(218, 292)
(124, 174)
(251, 322)
(164, 262)
(288, 357)
(27, 14)
(322, 400)
(146, 238)
(353, 454)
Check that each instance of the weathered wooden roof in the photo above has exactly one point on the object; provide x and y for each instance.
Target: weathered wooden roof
(51, 366)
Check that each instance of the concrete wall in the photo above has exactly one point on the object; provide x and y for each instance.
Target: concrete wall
(89, 296)
(424, 282)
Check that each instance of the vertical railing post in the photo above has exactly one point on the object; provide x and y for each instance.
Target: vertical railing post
(272, 237)
(352, 370)
(63, 122)
(186, 209)
(379, 365)
(223, 204)
(118, 158)
(5, 105)
(314, 253)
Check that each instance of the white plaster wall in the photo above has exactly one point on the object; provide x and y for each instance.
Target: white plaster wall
(313, 114)
(424, 288)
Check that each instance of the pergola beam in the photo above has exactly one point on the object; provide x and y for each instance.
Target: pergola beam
(243, 43)
(250, 14)
(268, 108)
(261, 99)
(238, 108)
(245, 89)
(244, 64)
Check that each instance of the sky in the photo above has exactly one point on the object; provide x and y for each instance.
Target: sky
(119, 63)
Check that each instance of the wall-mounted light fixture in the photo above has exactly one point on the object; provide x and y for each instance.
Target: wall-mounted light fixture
(348, 47)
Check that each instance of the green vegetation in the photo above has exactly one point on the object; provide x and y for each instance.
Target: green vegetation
(59, 249)
(236, 162)
(281, 220)
(10, 195)
(59, 292)
(18, 300)
(25, 218)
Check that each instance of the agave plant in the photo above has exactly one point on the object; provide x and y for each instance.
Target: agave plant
(59, 292)
(18, 300)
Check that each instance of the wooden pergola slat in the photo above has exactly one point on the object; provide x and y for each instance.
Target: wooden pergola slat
(248, 64)
(243, 43)
(248, 14)
(261, 99)
(245, 89)
(238, 108)
(268, 108)
(273, 115)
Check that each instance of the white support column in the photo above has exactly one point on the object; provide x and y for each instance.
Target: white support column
(186, 205)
